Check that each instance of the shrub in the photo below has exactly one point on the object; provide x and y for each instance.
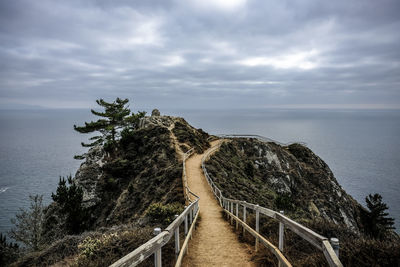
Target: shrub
(284, 202)
(164, 214)
(8, 251)
(249, 169)
(105, 249)
(29, 223)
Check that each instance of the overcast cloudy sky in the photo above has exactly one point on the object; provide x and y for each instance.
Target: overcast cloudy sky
(201, 53)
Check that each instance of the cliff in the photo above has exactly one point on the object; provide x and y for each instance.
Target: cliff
(290, 178)
(293, 179)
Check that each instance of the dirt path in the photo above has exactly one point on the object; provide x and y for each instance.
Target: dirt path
(214, 243)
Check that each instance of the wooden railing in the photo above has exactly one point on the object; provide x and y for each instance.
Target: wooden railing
(154, 246)
(184, 178)
(231, 208)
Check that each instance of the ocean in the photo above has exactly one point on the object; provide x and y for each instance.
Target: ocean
(360, 146)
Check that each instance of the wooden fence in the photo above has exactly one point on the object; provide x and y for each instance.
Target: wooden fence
(232, 206)
(154, 246)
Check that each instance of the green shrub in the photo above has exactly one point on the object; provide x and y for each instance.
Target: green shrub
(165, 214)
(249, 169)
(8, 251)
(284, 201)
(105, 249)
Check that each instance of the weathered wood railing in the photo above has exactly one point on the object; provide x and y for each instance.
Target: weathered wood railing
(231, 208)
(154, 246)
(184, 178)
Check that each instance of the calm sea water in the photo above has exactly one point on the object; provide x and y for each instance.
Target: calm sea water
(361, 147)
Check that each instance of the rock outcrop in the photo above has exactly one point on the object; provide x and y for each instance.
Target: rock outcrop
(89, 174)
(292, 178)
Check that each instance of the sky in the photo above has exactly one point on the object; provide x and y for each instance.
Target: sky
(200, 54)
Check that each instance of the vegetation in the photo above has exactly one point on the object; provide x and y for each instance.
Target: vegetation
(377, 223)
(164, 214)
(28, 224)
(284, 201)
(195, 138)
(105, 249)
(355, 250)
(8, 251)
(69, 198)
(145, 170)
(308, 193)
(115, 118)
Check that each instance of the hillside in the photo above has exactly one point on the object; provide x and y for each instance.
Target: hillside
(293, 179)
(118, 189)
(289, 178)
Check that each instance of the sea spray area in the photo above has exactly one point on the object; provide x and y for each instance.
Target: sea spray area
(3, 189)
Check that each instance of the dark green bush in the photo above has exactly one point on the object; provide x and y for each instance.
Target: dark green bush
(284, 201)
(164, 214)
(8, 251)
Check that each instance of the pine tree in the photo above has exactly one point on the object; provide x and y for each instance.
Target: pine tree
(69, 198)
(114, 118)
(28, 224)
(114, 115)
(378, 223)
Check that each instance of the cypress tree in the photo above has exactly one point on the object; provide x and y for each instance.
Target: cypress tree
(378, 223)
(115, 117)
(69, 198)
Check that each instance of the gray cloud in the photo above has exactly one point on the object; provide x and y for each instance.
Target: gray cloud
(194, 54)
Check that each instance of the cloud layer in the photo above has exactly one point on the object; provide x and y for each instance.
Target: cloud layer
(201, 54)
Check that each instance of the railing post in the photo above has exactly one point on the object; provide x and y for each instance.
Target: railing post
(281, 236)
(257, 225)
(281, 233)
(237, 215)
(231, 212)
(191, 216)
(177, 247)
(186, 224)
(335, 245)
(244, 218)
(228, 208)
(157, 254)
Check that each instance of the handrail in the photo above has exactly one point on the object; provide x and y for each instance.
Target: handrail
(153, 246)
(320, 242)
(184, 178)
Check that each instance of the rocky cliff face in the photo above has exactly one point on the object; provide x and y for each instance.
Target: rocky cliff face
(290, 178)
(88, 175)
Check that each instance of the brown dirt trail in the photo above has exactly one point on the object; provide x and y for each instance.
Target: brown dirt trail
(214, 243)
